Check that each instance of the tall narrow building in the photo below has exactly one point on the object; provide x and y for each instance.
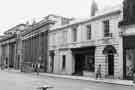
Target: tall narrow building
(128, 12)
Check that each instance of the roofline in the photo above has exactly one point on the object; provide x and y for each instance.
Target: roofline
(7, 38)
(90, 19)
(58, 16)
(13, 27)
(37, 27)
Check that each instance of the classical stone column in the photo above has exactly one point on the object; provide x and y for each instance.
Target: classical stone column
(34, 56)
(36, 49)
(32, 48)
(69, 62)
(120, 53)
(8, 54)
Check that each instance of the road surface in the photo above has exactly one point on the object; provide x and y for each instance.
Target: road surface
(22, 81)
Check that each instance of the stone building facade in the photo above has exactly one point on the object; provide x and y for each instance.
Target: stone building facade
(80, 47)
(35, 43)
(75, 47)
(11, 47)
(34, 46)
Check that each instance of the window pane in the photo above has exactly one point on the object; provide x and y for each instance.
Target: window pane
(64, 36)
(106, 28)
(74, 34)
(90, 63)
(88, 32)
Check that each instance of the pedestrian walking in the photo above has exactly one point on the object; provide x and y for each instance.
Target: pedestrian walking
(37, 68)
(98, 73)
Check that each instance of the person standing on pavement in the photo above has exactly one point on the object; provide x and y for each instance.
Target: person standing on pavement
(38, 64)
(98, 73)
(38, 68)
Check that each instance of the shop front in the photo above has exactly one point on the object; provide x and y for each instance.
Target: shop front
(84, 59)
(128, 56)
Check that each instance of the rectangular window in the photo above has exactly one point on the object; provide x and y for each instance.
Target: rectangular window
(54, 39)
(89, 63)
(88, 32)
(74, 34)
(63, 62)
(106, 26)
(64, 36)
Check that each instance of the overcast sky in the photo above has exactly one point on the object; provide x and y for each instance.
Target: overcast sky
(13, 12)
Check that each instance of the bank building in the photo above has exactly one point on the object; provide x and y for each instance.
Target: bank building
(106, 39)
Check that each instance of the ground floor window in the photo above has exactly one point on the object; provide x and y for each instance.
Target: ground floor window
(89, 63)
(6, 60)
(130, 53)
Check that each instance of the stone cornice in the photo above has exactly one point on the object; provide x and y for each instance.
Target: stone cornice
(37, 27)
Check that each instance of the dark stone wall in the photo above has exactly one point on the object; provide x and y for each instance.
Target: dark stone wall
(128, 43)
(128, 13)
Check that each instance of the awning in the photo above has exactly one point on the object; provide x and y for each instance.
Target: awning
(90, 49)
(109, 48)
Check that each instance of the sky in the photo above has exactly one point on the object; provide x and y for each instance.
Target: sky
(13, 12)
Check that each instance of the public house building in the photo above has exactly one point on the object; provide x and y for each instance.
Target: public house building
(80, 47)
(106, 38)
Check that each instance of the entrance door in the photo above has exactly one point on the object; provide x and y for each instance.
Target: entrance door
(79, 63)
(52, 63)
(110, 63)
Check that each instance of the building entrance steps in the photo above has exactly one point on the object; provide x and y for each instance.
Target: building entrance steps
(102, 80)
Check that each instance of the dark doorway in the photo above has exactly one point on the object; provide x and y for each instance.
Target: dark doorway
(18, 61)
(110, 50)
(79, 63)
(110, 63)
(51, 54)
(52, 63)
(63, 62)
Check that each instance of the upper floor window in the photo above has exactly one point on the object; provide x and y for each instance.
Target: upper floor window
(64, 36)
(74, 35)
(106, 26)
(54, 38)
(88, 32)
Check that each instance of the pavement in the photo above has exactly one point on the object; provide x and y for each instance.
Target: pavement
(109, 81)
(16, 80)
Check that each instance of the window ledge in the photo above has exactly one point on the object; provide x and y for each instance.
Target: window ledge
(107, 38)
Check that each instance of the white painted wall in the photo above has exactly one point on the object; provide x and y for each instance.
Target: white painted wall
(97, 37)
